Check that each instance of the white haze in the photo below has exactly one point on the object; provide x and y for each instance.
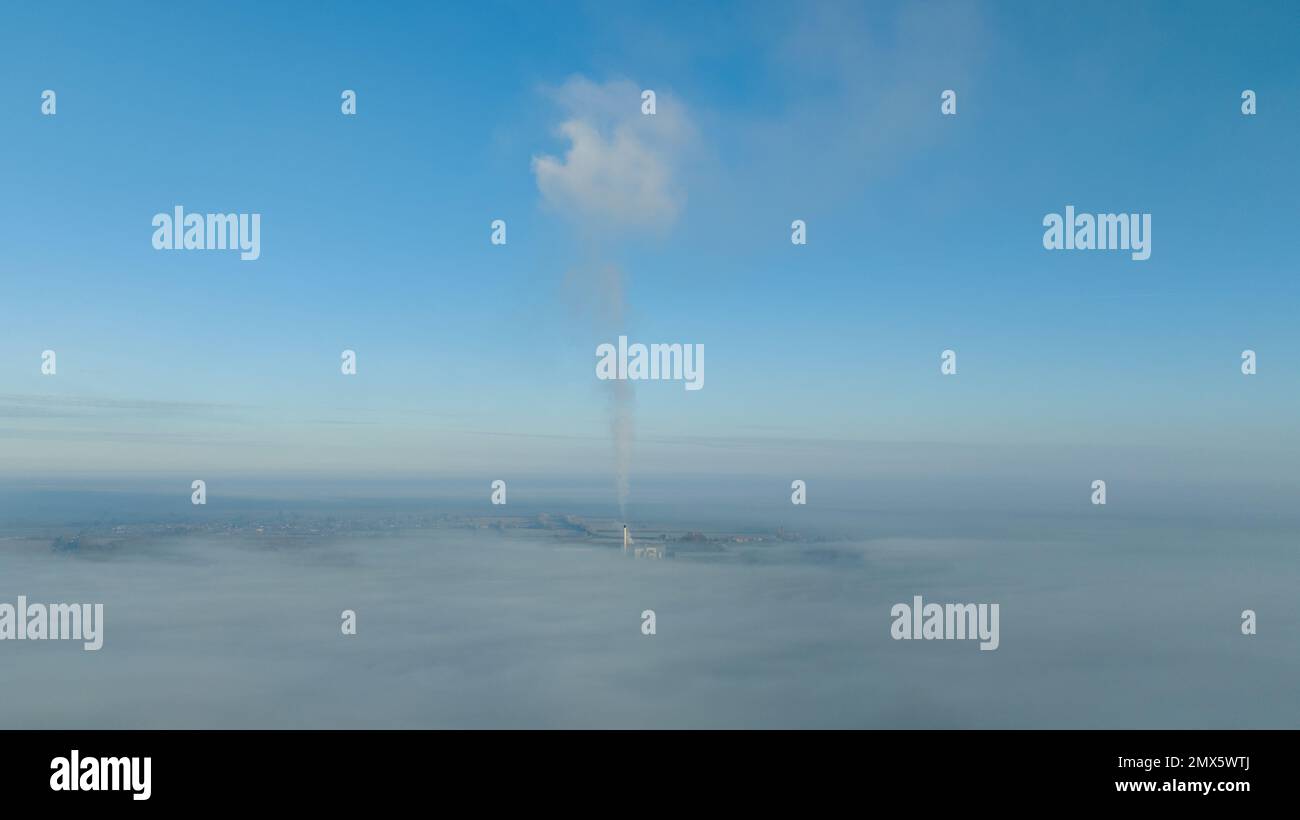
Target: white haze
(1124, 625)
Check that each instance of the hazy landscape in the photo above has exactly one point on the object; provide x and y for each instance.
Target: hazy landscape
(472, 616)
(1008, 288)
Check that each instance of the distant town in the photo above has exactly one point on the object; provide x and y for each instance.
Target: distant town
(295, 528)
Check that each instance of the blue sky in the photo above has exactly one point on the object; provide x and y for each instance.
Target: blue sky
(924, 234)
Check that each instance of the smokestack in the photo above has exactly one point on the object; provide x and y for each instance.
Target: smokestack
(627, 539)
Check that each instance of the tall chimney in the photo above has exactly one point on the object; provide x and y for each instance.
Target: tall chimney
(627, 540)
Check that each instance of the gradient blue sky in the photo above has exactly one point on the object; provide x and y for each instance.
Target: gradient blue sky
(924, 234)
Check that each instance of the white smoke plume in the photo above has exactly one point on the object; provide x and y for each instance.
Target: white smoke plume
(599, 290)
(621, 427)
(620, 172)
(618, 176)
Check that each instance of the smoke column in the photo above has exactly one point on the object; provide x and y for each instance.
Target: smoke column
(599, 289)
(622, 429)
(616, 177)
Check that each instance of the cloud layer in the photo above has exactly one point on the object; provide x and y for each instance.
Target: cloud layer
(621, 167)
